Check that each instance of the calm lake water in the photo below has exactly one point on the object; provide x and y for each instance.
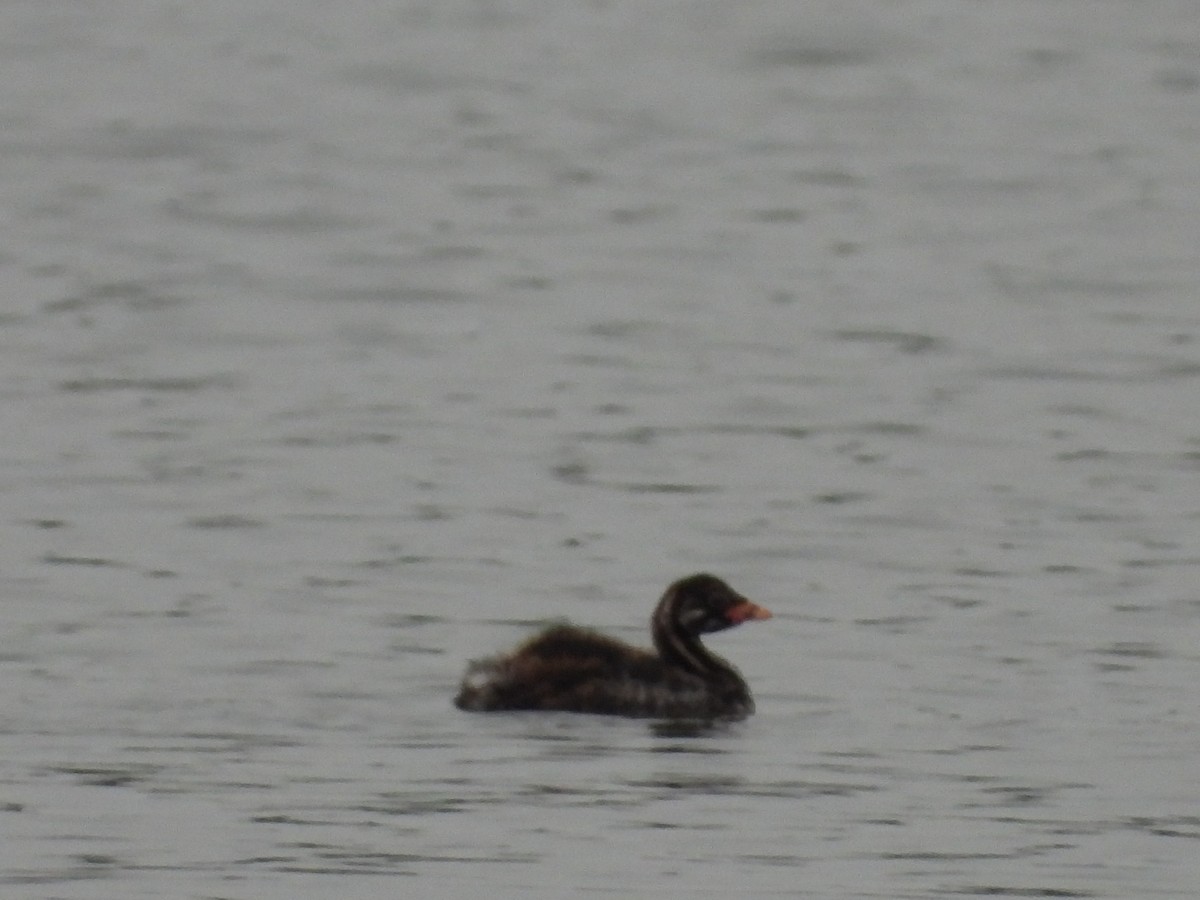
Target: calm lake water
(340, 344)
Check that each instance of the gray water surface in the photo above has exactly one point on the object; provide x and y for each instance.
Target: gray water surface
(341, 345)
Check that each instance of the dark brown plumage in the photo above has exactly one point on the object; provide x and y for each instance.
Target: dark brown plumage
(577, 670)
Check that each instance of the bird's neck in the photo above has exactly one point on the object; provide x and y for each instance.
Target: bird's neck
(680, 647)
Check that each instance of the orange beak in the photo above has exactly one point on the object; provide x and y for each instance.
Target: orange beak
(744, 611)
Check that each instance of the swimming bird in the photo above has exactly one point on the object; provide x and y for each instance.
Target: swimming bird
(574, 669)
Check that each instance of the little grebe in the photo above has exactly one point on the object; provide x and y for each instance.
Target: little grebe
(577, 670)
